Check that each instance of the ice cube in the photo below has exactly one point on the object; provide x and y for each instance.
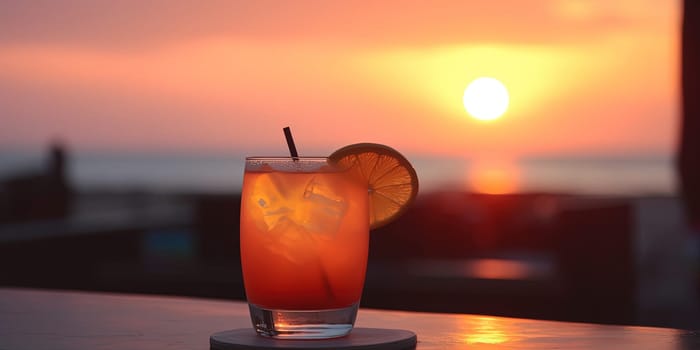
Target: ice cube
(270, 196)
(323, 208)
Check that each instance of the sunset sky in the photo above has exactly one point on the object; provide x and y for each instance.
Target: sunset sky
(585, 77)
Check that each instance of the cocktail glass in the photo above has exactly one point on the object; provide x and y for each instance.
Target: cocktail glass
(304, 244)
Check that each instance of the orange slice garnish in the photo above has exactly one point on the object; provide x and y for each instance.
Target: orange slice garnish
(391, 180)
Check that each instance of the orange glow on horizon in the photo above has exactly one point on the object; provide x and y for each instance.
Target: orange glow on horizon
(494, 176)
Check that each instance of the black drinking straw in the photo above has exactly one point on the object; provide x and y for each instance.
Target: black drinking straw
(290, 143)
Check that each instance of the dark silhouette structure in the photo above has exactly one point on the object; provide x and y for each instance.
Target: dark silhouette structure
(689, 146)
(689, 150)
(41, 195)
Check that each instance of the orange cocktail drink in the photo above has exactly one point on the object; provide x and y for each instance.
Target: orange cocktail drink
(304, 245)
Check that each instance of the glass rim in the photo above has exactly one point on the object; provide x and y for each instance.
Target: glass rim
(290, 164)
(285, 158)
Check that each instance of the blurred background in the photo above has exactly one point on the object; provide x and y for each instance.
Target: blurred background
(124, 127)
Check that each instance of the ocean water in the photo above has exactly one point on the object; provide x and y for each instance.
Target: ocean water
(223, 173)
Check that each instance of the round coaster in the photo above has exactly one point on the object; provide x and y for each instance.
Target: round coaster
(359, 338)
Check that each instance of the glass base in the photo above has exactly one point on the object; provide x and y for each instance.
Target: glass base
(313, 324)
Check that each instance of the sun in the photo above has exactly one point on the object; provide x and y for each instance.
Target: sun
(486, 98)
